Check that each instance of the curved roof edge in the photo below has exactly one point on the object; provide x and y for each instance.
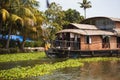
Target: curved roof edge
(84, 26)
(87, 32)
(111, 18)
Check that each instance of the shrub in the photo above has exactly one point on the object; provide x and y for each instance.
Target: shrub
(29, 44)
(10, 50)
(1, 45)
(38, 44)
(4, 51)
(14, 50)
(34, 44)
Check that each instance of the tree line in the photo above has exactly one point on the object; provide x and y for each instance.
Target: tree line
(22, 17)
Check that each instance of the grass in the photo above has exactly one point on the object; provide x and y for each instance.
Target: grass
(22, 56)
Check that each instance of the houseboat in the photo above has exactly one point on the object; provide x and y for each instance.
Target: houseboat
(96, 36)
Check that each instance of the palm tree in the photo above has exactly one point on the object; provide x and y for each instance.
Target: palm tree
(85, 4)
(8, 17)
(22, 12)
(32, 19)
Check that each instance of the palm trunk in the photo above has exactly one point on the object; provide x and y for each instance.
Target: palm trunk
(8, 40)
(85, 13)
(22, 44)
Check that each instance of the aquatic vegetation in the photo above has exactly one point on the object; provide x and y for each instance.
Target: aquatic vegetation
(46, 68)
(22, 56)
(37, 70)
(98, 59)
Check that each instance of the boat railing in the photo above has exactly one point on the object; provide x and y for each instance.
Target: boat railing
(64, 44)
(74, 45)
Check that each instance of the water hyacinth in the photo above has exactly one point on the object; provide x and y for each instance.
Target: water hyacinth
(37, 70)
(44, 68)
(98, 59)
(22, 56)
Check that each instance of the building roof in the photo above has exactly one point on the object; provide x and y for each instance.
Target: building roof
(117, 32)
(84, 26)
(111, 18)
(87, 32)
(114, 19)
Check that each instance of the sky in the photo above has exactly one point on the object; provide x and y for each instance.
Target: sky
(108, 8)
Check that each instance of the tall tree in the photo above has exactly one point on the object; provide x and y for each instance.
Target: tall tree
(54, 16)
(85, 4)
(21, 12)
(72, 16)
(8, 18)
(32, 18)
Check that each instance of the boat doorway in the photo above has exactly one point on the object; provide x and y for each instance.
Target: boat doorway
(118, 42)
(67, 41)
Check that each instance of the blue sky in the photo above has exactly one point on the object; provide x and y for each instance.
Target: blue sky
(108, 8)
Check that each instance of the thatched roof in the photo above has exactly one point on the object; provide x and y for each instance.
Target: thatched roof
(84, 26)
(87, 32)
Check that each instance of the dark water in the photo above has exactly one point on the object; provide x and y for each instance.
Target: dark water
(91, 71)
(109, 70)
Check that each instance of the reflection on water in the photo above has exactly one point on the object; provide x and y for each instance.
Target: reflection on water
(91, 71)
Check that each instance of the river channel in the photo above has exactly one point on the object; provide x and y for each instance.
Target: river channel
(109, 70)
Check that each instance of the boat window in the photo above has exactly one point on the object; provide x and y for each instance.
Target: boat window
(88, 40)
(118, 42)
(106, 42)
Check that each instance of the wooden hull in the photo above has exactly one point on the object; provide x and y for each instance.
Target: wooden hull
(63, 53)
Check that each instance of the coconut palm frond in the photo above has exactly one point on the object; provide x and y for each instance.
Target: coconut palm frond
(28, 22)
(5, 14)
(39, 19)
(28, 13)
(15, 18)
(34, 29)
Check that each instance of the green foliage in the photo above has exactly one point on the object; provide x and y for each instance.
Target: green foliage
(12, 43)
(5, 51)
(98, 59)
(72, 16)
(25, 19)
(38, 43)
(21, 56)
(38, 70)
(14, 50)
(34, 44)
(10, 50)
(1, 45)
(54, 17)
(29, 44)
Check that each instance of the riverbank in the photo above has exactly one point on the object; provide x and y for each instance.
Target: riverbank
(22, 56)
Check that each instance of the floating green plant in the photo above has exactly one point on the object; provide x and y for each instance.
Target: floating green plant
(22, 56)
(38, 70)
(97, 59)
